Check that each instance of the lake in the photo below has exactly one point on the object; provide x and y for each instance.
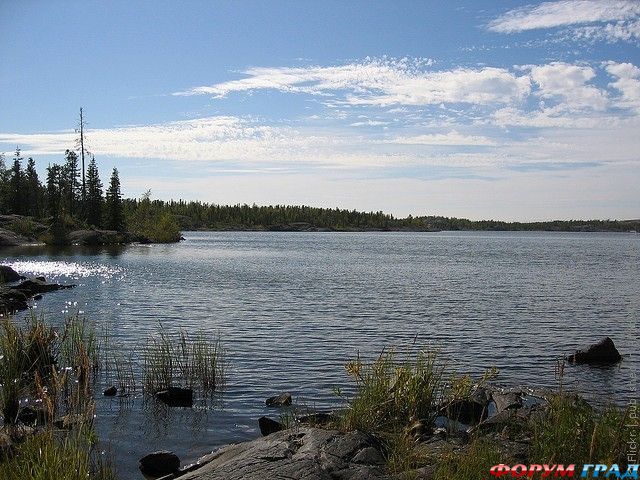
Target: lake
(293, 308)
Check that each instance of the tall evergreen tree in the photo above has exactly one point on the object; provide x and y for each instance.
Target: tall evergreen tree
(33, 193)
(94, 198)
(71, 188)
(4, 204)
(16, 185)
(114, 214)
(54, 191)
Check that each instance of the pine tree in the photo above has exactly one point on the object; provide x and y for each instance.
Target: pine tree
(4, 175)
(94, 198)
(54, 191)
(16, 185)
(70, 185)
(114, 214)
(33, 192)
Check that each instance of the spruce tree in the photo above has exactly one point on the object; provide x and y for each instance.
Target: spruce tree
(94, 198)
(33, 192)
(16, 185)
(114, 214)
(70, 185)
(54, 192)
(4, 175)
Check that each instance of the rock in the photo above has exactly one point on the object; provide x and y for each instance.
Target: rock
(268, 426)
(505, 401)
(281, 400)
(41, 279)
(110, 392)
(8, 274)
(176, 396)
(10, 239)
(12, 300)
(318, 418)
(33, 287)
(37, 297)
(603, 352)
(159, 464)
(465, 411)
(304, 452)
(33, 416)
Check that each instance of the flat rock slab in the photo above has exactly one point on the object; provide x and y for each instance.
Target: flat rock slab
(300, 453)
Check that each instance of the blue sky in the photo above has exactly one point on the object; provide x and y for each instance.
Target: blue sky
(506, 110)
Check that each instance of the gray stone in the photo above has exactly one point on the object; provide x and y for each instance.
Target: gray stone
(300, 453)
(284, 399)
(506, 401)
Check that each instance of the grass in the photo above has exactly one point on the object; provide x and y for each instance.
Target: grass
(44, 456)
(190, 360)
(52, 371)
(393, 395)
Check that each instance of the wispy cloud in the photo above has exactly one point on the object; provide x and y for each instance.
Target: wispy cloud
(453, 138)
(608, 20)
(382, 82)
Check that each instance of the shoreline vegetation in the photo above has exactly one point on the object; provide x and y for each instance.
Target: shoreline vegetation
(410, 417)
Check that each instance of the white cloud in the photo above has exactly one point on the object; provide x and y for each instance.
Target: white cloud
(569, 84)
(453, 138)
(383, 82)
(564, 13)
(627, 83)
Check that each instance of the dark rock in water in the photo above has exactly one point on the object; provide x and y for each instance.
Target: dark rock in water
(67, 422)
(110, 392)
(302, 452)
(33, 287)
(37, 297)
(506, 401)
(12, 300)
(268, 426)
(176, 397)
(603, 352)
(160, 463)
(33, 416)
(8, 274)
(41, 279)
(281, 400)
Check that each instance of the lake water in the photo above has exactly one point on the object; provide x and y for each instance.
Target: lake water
(293, 308)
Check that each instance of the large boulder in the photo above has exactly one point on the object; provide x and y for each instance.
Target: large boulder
(160, 463)
(604, 352)
(12, 300)
(268, 426)
(176, 396)
(11, 239)
(310, 453)
(8, 274)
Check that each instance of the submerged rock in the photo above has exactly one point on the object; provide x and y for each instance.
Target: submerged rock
(176, 396)
(310, 453)
(35, 286)
(603, 352)
(110, 392)
(160, 463)
(281, 400)
(268, 426)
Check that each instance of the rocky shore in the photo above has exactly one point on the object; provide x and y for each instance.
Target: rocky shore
(16, 290)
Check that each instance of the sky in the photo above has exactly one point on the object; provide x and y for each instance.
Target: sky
(479, 109)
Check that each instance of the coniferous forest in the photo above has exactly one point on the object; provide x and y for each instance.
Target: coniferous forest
(66, 200)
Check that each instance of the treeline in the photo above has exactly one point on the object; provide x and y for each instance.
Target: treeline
(202, 216)
(70, 199)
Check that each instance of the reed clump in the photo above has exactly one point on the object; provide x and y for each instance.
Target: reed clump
(189, 360)
(47, 401)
